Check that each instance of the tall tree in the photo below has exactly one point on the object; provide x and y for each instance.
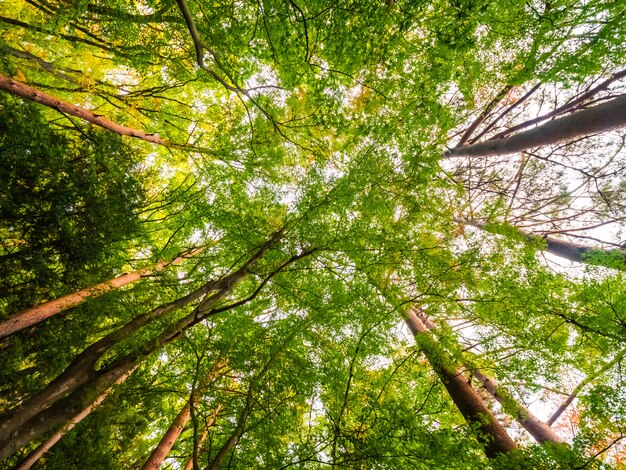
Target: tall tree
(169, 438)
(491, 434)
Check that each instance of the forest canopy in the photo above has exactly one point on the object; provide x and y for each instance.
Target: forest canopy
(333, 233)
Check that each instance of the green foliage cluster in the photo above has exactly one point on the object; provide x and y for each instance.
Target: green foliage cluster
(310, 134)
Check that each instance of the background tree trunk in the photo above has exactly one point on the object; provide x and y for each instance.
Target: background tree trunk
(577, 252)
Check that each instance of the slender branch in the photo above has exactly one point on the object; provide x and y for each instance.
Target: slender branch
(590, 378)
(479, 120)
(505, 112)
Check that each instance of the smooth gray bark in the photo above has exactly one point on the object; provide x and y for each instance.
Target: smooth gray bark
(600, 118)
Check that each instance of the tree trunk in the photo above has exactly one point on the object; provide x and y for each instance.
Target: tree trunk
(160, 452)
(30, 460)
(575, 103)
(240, 427)
(600, 118)
(33, 94)
(33, 315)
(614, 258)
(234, 437)
(82, 369)
(492, 435)
(540, 431)
(41, 414)
(63, 410)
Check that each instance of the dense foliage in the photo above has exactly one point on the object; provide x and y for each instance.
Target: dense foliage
(300, 205)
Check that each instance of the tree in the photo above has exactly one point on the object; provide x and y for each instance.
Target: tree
(300, 144)
(39, 313)
(601, 118)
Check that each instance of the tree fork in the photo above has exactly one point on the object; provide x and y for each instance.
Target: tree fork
(600, 118)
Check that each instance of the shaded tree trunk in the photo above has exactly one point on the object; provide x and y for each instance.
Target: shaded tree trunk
(492, 435)
(166, 443)
(540, 431)
(82, 369)
(600, 118)
(35, 455)
(63, 410)
(33, 315)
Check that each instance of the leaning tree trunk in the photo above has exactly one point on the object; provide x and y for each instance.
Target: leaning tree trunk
(540, 431)
(33, 315)
(82, 369)
(56, 410)
(35, 455)
(600, 118)
(63, 410)
(44, 412)
(166, 443)
(33, 94)
(234, 437)
(492, 435)
(205, 433)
